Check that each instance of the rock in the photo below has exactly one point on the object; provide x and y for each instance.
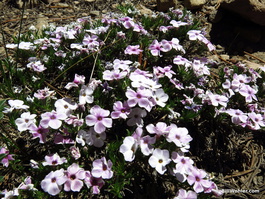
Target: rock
(250, 34)
(253, 10)
(164, 5)
(194, 4)
(41, 22)
(225, 57)
(2, 51)
(51, 1)
(28, 3)
(144, 10)
(94, 13)
(63, 5)
(251, 64)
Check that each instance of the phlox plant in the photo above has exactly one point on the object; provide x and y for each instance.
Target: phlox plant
(100, 104)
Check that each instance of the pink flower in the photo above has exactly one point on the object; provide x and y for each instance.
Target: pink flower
(63, 138)
(127, 22)
(27, 184)
(159, 129)
(195, 35)
(95, 183)
(120, 110)
(237, 116)
(97, 140)
(159, 160)
(133, 50)
(183, 194)
(177, 24)
(74, 120)
(79, 79)
(135, 116)
(54, 160)
(145, 143)
(179, 60)
(98, 119)
(180, 136)
(121, 64)
(114, 75)
(36, 66)
(91, 41)
(52, 119)
(165, 45)
(164, 29)
(102, 168)
(75, 152)
(5, 160)
(257, 120)
(175, 44)
(217, 100)
(183, 164)
(248, 92)
(75, 175)
(52, 183)
(196, 178)
(44, 93)
(155, 48)
(140, 97)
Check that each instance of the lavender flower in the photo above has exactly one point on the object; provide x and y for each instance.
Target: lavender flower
(52, 183)
(102, 168)
(74, 175)
(98, 119)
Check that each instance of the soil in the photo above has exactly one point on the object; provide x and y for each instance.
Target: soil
(236, 159)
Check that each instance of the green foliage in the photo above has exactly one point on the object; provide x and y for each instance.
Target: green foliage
(92, 63)
(2, 106)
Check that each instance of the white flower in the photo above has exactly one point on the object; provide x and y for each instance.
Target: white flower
(85, 95)
(65, 105)
(25, 120)
(26, 45)
(160, 97)
(159, 160)
(15, 104)
(128, 148)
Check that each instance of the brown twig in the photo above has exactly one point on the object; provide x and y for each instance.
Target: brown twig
(58, 19)
(253, 56)
(223, 59)
(239, 173)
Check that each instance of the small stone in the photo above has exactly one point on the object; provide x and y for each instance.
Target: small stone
(144, 10)
(251, 64)
(225, 57)
(89, 1)
(214, 58)
(193, 4)
(2, 50)
(41, 22)
(94, 13)
(63, 4)
(253, 10)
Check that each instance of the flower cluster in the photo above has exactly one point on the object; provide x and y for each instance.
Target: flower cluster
(75, 177)
(141, 85)
(6, 156)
